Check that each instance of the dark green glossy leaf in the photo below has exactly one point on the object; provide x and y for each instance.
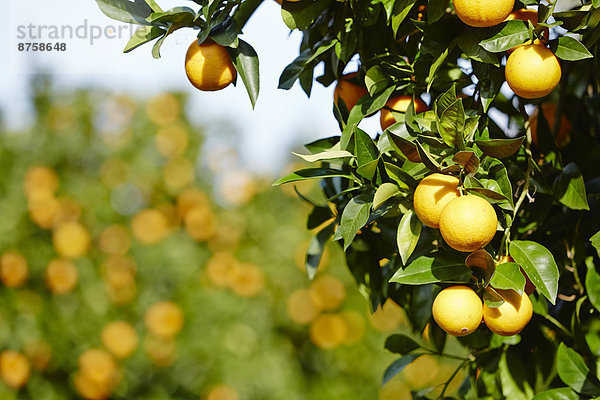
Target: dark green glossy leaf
(508, 276)
(569, 49)
(143, 35)
(316, 247)
(245, 60)
(569, 188)
(385, 192)
(400, 344)
(592, 285)
(132, 12)
(409, 231)
(312, 173)
(436, 10)
(539, 265)
(299, 15)
(572, 370)
(354, 217)
(398, 365)
(439, 268)
(512, 34)
(595, 240)
(500, 148)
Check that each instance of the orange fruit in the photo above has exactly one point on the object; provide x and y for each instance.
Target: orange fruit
(164, 319)
(399, 104)
(432, 194)
(468, 223)
(13, 269)
(348, 91)
(208, 66)
(458, 310)
(483, 13)
(512, 316)
(563, 136)
(14, 368)
(532, 71)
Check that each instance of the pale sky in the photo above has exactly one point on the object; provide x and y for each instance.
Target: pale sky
(281, 119)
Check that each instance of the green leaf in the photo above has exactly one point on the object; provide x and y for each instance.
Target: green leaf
(354, 217)
(312, 173)
(316, 247)
(469, 41)
(397, 366)
(539, 265)
(325, 155)
(491, 82)
(500, 148)
(436, 10)
(407, 237)
(512, 34)
(438, 63)
(595, 240)
(307, 58)
(452, 123)
(569, 188)
(399, 13)
(400, 344)
(385, 192)
(132, 12)
(508, 276)
(569, 49)
(155, 7)
(245, 60)
(439, 268)
(592, 285)
(366, 152)
(492, 298)
(143, 35)
(572, 370)
(427, 158)
(299, 15)
(183, 16)
(557, 394)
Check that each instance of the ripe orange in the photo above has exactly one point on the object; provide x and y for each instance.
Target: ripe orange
(457, 310)
(483, 13)
(468, 223)
(349, 92)
(399, 104)
(563, 136)
(432, 194)
(512, 316)
(208, 66)
(532, 71)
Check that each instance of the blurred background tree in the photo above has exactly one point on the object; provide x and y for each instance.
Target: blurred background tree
(136, 264)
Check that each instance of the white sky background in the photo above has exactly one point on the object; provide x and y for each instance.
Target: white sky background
(282, 119)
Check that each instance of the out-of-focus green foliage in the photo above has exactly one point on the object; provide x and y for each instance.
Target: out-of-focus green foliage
(121, 190)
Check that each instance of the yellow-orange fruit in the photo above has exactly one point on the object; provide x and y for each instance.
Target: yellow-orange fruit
(457, 310)
(432, 194)
(347, 91)
(14, 368)
(399, 104)
(468, 223)
(120, 338)
(61, 276)
(563, 136)
(483, 13)
(208, 66)
(71, 239)
(512, 316)
(532, 71)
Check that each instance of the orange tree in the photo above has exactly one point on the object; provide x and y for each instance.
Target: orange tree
(516, 199)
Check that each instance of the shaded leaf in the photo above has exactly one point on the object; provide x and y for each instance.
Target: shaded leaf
(427, 269)
(569, 188)
(400, 344)
(398, 365)
(508, 276)
(245, 60)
